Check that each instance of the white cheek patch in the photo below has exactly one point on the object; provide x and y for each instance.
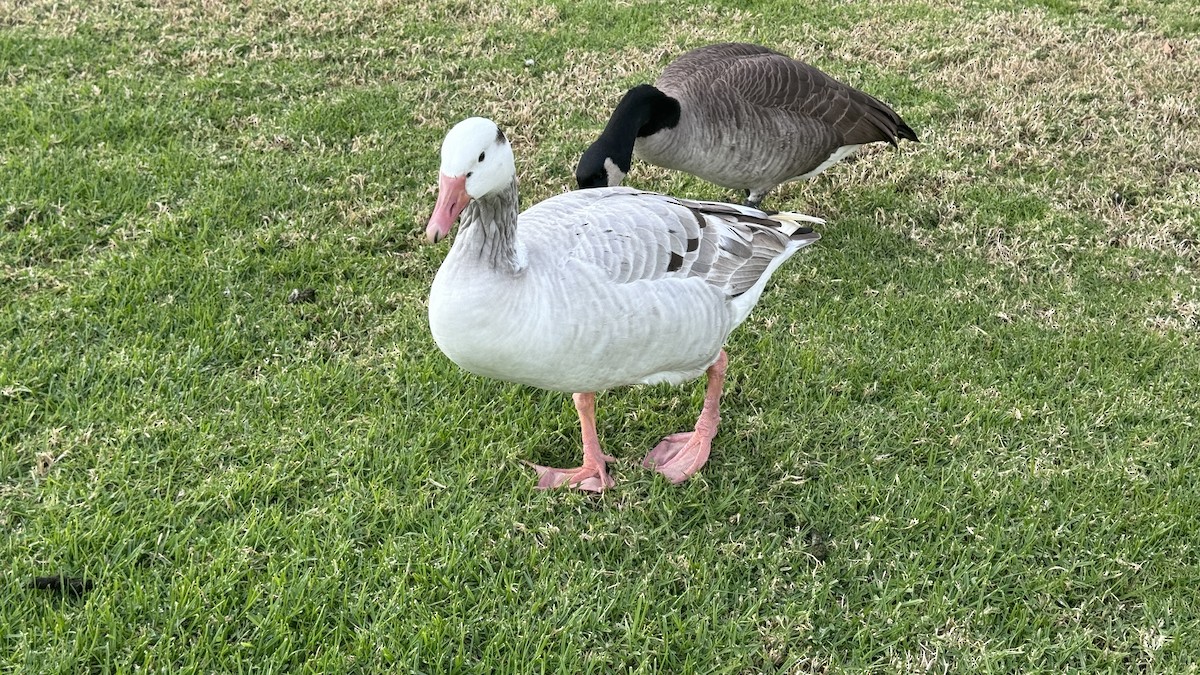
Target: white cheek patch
(615, 174)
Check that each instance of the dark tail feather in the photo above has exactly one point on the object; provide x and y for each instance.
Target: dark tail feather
(904, 131)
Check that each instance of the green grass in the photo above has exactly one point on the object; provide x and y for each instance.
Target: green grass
(958, 436)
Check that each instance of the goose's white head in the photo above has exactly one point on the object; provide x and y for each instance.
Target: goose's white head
(477, 160)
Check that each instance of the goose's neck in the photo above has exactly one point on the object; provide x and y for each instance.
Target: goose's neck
(644, 111)
(488, 231)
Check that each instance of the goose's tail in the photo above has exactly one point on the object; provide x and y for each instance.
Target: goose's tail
(796, 223)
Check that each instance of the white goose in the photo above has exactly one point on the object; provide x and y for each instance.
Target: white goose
(595, 289)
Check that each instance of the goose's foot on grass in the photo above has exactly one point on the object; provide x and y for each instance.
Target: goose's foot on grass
(590, 478)
(592, 475)
(679, 456)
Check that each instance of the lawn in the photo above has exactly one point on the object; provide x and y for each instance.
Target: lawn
(960, 434)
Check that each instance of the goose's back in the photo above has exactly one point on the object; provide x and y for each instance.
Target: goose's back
(753, 118)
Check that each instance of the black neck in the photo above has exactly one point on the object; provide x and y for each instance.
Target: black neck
(645, 109)
(642, 112)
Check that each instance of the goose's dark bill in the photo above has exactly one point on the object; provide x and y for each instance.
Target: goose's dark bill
(452, 199)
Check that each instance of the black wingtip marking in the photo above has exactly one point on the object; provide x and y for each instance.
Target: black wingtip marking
(676, 262)
(693, 244)
(499, 134)
(73, 586)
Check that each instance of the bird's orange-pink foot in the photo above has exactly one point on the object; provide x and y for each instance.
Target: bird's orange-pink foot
(679, 456)
(592, 475)
(589, 477)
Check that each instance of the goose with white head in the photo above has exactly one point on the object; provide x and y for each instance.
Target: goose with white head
(595, 289)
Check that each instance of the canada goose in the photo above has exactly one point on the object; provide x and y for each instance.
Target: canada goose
(741, 116)
(595, 289)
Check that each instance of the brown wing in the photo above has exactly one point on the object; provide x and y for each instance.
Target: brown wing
(702, 63)
(768, 80)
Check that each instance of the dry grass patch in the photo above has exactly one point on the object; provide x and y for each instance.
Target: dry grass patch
(1179, 313)
(1103, 116)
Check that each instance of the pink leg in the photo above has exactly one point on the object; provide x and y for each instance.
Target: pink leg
(592, 476)
(678, 456)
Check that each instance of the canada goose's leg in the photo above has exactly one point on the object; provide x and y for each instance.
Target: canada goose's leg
(681, 455)
(754, 198)
(591, 476)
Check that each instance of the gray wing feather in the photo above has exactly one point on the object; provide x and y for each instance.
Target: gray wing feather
(634, 236)
(765, 79)
(780, 82)
(694, 65)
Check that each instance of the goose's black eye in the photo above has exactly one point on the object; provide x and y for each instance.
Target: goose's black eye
(481, 155)
(470, 173)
